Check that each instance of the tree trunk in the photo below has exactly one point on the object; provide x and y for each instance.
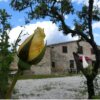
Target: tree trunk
(90, 87)
(2, 95)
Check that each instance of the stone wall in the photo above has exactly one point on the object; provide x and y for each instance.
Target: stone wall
(13, 65)
(55, 55)
(62, 60)
(44, 67)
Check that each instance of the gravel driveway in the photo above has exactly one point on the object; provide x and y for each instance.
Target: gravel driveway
(51, 88)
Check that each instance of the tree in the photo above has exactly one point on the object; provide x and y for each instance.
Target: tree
(56, 11)
(6, 56)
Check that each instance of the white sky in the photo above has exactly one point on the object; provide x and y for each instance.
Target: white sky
(51, 31)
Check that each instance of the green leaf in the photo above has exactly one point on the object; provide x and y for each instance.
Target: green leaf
(23, 65)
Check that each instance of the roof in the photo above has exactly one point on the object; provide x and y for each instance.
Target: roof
(67, 42)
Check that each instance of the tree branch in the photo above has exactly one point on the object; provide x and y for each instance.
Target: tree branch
(79, 64)
(66, 29)
(90, 18)
(31, 7)
(53, 3)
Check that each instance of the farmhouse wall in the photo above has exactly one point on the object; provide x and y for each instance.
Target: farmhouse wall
(44, 67)
(62, 60)
(55, 60)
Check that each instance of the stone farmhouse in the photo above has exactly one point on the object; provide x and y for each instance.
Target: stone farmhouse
(59, 58)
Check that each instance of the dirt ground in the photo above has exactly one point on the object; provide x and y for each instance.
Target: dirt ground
(52, 88)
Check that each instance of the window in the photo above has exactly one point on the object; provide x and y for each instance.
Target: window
(92, 51)
(64, 49)
(71, 64)
(52, 47)
(80, 49)
(53, 64)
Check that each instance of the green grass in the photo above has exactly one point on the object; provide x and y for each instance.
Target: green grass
(44, 76)
(96, 97)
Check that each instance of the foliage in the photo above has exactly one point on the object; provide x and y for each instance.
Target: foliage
(6, 55)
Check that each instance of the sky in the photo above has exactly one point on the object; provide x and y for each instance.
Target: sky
(51, 30)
